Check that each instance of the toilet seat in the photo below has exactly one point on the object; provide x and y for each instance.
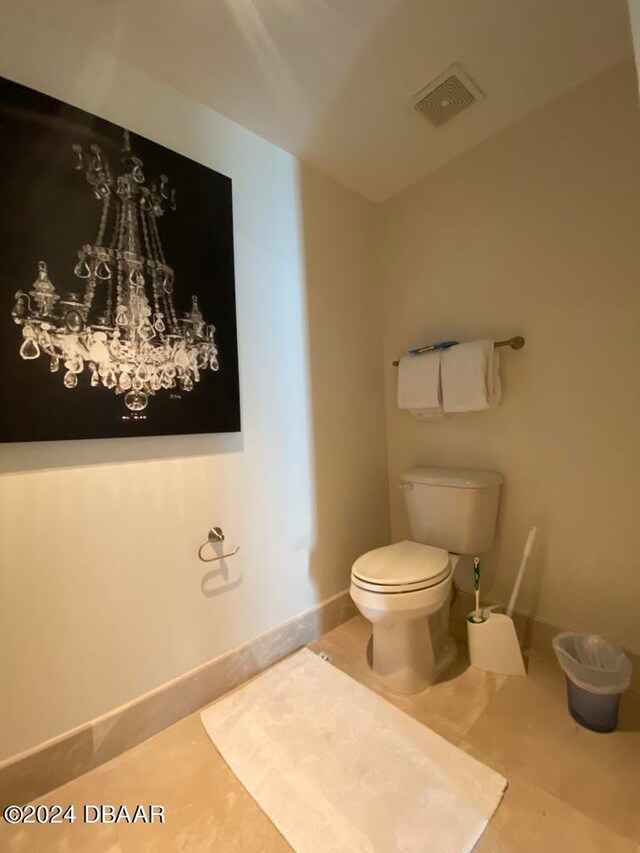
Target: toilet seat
(389, 589)
(401, 568)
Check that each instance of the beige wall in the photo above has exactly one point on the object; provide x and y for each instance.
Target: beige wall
(536, 232)
(103, 597)
(634, 20)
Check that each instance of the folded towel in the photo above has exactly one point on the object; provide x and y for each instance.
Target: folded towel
(419, 382)
(470, 377)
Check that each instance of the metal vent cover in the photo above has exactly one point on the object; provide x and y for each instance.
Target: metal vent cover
(447, 96)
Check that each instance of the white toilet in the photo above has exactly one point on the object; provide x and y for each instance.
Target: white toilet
(404, 589)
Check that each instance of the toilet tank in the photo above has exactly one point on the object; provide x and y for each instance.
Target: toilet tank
(452, 509)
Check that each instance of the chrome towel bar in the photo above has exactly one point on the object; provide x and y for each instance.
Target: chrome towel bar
(213, 536)
(514, 343)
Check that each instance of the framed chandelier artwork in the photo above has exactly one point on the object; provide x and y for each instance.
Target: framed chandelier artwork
(117, 295)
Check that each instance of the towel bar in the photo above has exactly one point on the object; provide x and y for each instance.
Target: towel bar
(514, 343)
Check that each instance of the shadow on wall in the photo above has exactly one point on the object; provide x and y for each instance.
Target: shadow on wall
(346, 381)
(49, 455)
(219, 580)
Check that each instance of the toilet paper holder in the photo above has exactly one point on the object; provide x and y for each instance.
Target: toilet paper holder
(213, 536)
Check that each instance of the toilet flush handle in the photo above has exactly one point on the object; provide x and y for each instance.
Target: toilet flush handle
(406, 487)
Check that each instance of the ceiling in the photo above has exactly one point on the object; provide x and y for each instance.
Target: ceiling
(332, 81)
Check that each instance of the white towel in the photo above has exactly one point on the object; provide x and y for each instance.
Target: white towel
(419, 385)
(470, 377)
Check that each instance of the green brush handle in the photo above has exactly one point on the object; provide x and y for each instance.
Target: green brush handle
(476, 573)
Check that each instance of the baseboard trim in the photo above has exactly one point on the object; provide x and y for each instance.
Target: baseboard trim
(43, 768)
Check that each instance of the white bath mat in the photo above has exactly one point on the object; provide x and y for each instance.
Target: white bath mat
(338, 768)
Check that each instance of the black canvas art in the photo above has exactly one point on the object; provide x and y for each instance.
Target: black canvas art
(117, 299)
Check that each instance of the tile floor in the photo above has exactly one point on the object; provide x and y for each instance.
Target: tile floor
(569, 789)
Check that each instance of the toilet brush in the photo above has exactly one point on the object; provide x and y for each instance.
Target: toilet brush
(493, 642)
(477, 617)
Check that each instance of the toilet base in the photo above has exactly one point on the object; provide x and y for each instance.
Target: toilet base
(446, 653)
(406, 658)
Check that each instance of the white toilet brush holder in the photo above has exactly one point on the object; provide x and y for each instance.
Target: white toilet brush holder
(493, 642)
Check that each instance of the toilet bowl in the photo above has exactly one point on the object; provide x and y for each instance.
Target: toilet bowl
(404, 591)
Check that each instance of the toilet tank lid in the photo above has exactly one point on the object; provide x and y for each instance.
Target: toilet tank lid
(453, 477)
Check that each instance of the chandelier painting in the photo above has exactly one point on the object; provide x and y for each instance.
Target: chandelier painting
(120, 325)
(129, 250)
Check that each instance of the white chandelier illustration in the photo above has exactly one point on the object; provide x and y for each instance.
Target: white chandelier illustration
(123, 327)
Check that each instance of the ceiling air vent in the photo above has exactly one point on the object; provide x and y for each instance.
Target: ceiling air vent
(447, 96)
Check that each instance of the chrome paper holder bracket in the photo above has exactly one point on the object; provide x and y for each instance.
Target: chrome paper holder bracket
(213, 536)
